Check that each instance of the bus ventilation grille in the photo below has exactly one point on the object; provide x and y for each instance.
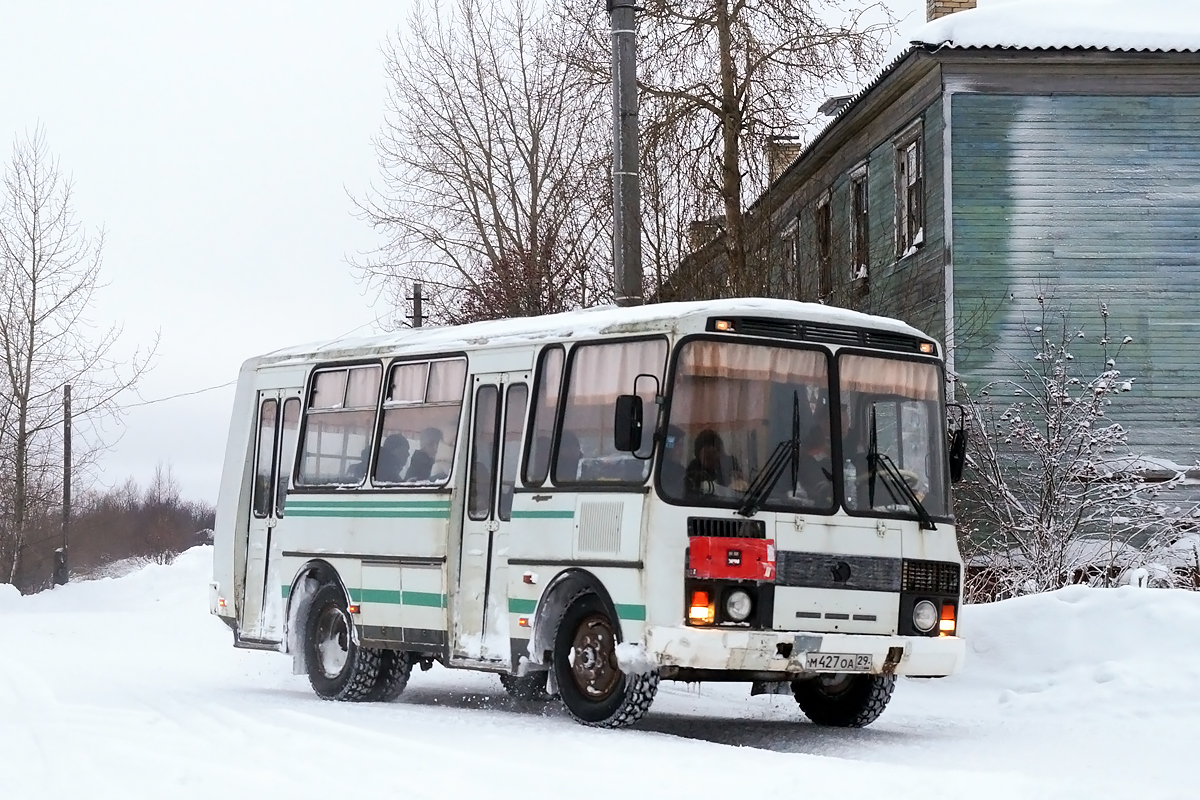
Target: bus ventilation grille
(829, 334)
(930, 577)
(735, 528)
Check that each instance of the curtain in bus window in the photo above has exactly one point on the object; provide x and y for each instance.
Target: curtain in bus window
(264, 458)
(599, 373)
(287, 451)
(514, 418)
(483, 453)
(541, 423)
(420, 423)
(337, 433)
(732, 405)
(913, 379)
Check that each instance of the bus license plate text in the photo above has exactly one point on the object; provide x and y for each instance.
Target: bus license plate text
(837, 662)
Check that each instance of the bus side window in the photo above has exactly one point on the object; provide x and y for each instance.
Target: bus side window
(337, 431)
(598, 373)
(287, 450)
(514, 418)
(421, 410)
(268, 413)
(541, 421)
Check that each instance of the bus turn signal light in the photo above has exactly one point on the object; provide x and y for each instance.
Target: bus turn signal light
(702, 611)
(948, 624)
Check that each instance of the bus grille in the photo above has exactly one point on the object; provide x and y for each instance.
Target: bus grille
(829, 334)
(930, 577)
(737, 528)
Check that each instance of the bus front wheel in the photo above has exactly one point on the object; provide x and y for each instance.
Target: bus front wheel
(590, 682)
(338, 669)
(844, 700)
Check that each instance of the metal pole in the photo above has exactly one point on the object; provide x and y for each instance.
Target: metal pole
(61, 570)
(627, 200)
(417, 317)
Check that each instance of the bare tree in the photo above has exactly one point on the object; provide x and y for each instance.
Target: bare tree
(49, 273)
(720, 77)
(487, 169)
(1053, 495)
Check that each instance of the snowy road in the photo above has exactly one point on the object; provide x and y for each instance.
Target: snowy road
(128, 689)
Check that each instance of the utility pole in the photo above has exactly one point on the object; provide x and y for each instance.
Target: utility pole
(627, 199)
(417, 316)
(61, 572)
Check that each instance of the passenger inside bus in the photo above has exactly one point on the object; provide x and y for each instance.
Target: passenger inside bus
(421, 466)
(672, 472)
(814, 470)
(393, 455)
(712, 471)
(356, 471)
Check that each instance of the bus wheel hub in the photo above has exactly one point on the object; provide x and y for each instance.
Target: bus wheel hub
(594, 660)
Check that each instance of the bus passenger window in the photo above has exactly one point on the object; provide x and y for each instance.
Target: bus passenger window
(337, 434)
(598, 374)
(266, 452)
(541, 422)
(421, 411)
(287, 451)
(483, 453)
(514, 418)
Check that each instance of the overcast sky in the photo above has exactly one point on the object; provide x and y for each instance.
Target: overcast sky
(215, 143)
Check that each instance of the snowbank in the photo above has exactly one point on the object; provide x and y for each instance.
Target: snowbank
(1106, 24)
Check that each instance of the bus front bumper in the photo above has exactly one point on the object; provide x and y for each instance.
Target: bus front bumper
(787, 652)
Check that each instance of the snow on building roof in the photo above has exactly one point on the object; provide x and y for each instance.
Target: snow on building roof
(1161, 25)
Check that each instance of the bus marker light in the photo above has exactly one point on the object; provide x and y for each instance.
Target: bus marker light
(221, 602)
(927, 348)
(948, 623)
(530, 577)
(723, 325)
(523, 622)
(702, 611)
(352, 609)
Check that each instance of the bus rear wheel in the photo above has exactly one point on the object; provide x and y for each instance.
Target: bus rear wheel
(590, 682)
(844, 700)
(395, 668)
(338, 669)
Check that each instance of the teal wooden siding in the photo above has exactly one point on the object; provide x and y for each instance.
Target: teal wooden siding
(908, 288)
(1084, 199)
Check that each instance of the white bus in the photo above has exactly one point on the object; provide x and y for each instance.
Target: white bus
(589, 503)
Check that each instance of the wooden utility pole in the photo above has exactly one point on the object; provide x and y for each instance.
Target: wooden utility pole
(61, 570)
(627, 197)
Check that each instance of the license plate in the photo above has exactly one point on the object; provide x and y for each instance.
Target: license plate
(837, 662)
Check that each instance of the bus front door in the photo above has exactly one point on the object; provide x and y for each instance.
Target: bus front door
(498, 417)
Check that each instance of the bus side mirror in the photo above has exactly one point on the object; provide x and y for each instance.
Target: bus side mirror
(627, 423)
(958, 454)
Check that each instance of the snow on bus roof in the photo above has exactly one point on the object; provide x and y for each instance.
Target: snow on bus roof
(581, 323)
(1155, 25)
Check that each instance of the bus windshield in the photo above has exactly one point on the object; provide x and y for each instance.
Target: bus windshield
(734, 405)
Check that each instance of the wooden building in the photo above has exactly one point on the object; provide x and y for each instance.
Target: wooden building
(975, 175)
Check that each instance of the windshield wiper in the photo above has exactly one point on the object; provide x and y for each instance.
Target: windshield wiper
(785, 453)
(893, 480)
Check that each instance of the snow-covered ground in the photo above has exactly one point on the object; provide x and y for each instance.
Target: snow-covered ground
(126, 688)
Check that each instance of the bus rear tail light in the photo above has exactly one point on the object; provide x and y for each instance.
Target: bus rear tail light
(948, 624)
(731, 558)
(703, 611)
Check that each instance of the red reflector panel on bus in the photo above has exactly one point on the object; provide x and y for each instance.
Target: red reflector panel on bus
(731, 558)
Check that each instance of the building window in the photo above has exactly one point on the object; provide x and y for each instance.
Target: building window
(910, 194)
(860, 229)
(824, 229)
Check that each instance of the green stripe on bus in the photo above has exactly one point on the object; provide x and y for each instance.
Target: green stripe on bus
(286, 591)
(368, 513)
(543, 514)
(518, 606)
(428, 599)
(375, 596)
(631, 612)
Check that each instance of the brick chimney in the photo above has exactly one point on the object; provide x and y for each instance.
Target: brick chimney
(936, 9)
(781, 152)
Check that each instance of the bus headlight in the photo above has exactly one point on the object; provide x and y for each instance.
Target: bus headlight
(925, 616)
(738, 605)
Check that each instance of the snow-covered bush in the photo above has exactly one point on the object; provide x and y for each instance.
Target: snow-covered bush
(1052, 495)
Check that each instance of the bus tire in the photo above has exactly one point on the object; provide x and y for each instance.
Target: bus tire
(590, 682)
(528, 688)
(844, 700)
(395, 668)
(338, 668)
